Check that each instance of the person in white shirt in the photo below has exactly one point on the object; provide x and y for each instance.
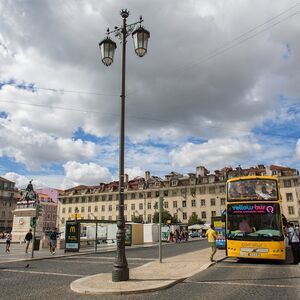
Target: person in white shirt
(293, 235)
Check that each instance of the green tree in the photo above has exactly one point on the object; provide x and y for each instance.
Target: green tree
(194, 219)
(137, 219)
(165, 216)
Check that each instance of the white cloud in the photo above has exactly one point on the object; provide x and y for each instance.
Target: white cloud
(35, 149)
(214, 154)
(180, 91)
(298, 149)
(22, 181)
(88, 174)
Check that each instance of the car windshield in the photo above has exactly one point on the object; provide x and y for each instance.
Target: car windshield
(260, 189)
(259, 221)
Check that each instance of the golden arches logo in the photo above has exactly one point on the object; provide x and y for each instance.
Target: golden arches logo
(72, 229)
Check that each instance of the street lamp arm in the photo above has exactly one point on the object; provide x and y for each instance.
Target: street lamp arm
(128, 29)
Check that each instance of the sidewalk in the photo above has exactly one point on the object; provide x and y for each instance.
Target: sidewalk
(17, 252)
(149, 277)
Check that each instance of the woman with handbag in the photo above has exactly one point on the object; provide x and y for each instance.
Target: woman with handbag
(294, 242)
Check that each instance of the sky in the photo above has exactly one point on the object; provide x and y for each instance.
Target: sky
(218, 87)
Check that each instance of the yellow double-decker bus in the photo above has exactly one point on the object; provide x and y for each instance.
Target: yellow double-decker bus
(254, 222)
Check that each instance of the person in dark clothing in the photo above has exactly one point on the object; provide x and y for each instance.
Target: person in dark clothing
(28, 239)
(53, 240)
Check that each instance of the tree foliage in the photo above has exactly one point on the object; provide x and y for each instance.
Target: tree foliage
(165, 216)
(194, 219)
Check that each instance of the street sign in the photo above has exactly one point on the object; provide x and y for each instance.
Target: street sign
(72, 237)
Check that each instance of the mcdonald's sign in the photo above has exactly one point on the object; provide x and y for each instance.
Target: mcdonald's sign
(72, 237)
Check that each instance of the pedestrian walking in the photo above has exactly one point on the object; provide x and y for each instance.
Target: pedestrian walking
(211, 237)
(294, 242)
(28, 239)
(53, 240)
(8, 241)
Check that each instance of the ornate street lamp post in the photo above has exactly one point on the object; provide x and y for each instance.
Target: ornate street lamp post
(107, 47)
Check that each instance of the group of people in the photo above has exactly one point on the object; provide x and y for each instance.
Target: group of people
(293, 235)
(29, 238)
(178, 236)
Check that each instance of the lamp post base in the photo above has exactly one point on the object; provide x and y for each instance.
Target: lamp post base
(120, 274)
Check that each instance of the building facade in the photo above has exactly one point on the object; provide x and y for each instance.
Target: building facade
(48, 199)
(8, 202)
(198, 193)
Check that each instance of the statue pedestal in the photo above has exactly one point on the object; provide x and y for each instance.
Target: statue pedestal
(21, 223)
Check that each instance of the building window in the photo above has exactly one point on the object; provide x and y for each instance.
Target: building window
(132, 207)
(193, 203)
(109, 218)
(222, 201)
(110, 198)
(148, 194)
(184, 203)
(166, 204)
(166, 193)
(202, 202)
(184, 215)
(203, 215)
(149, 218)
(70, 209)
(63, 210)
(157, 194)
(103, 208)
(89, 209)
(174, 204)
(213, 213)
(82, 209)
(212, 190)
(117, 207)
(174, 182)
(140, 206)
(96, 209)
(103, 197)
(174, 192)
(109, 207)
(202, 190)
(287, 183)
(291, 210)
(222, 189)
(212, 202)
(132, 195)
(289, 197)
(149, 205)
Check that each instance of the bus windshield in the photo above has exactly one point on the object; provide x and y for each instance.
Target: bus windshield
(259, 222)
(258, 189)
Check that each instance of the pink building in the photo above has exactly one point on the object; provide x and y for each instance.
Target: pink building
(48, 200)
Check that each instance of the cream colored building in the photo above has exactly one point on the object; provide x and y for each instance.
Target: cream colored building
(198, 193)
(8, 202)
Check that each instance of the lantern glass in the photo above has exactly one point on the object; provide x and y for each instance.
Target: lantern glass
(140, 40)
(107, 49)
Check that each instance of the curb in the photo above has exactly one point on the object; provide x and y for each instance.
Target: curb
(162, 286)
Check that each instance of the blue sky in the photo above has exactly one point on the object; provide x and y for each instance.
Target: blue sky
(207, 92)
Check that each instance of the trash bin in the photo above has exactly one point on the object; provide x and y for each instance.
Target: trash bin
(36, 244)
